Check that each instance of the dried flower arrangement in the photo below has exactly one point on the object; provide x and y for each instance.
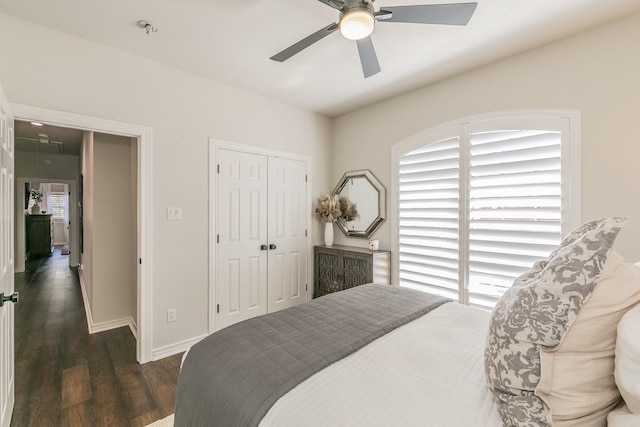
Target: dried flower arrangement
(36, 195)
(348, 209)
(328, 208)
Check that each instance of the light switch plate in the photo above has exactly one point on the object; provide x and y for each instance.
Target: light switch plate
(174, 214)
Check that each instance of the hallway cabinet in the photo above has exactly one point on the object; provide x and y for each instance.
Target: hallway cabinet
(39, 235)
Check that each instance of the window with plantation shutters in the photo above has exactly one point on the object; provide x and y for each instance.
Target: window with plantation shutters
(429, 201)
(480, 202)
(57, 203)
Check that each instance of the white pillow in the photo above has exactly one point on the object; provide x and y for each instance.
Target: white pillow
(576, 378)
(627, 362)
(622, 417)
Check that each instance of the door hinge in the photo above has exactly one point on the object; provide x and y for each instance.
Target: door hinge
(306, 287)
(217, 238)
(306, 178)
(217, 308)
(140, 260)
(305, 232)
(218, 169)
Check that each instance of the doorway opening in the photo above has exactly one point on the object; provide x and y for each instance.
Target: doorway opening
(64, 219)
(142, 186)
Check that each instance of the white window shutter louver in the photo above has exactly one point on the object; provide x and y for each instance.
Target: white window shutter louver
(514, 207)
(477, 210)
(429, 218)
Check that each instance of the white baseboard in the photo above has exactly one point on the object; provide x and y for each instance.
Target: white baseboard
(103, 326)
(170, 350)
(111, 324)
(133, 327)
(85, 298)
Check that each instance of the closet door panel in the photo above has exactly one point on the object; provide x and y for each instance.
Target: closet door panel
(241, 265)
(287, 219)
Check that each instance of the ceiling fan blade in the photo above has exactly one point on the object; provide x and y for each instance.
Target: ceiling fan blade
(368, 57)
(383, 15)
(336, 4)
(444, 14)
(304, 43)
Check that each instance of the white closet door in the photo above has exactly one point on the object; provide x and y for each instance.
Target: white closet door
(287, 220)
(6, 262)
(241, 267)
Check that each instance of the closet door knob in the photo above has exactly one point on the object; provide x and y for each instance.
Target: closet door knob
(272, 246)
(263, 247)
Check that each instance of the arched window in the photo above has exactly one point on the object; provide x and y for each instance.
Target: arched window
(479, 201)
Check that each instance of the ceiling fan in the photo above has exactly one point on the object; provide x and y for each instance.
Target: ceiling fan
(40, 140)
(358, 17)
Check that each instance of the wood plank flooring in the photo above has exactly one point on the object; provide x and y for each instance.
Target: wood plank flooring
(66, 377)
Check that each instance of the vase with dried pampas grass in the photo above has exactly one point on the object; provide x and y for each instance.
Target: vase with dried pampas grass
(328, 211)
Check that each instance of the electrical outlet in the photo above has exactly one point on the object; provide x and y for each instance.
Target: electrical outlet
(171, 315)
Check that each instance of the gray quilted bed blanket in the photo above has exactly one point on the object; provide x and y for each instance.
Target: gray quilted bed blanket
(234, 376)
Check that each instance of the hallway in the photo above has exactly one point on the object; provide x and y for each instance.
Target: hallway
(66, 377)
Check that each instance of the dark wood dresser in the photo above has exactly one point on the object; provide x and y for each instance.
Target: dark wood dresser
(341, 267)
(39, 235)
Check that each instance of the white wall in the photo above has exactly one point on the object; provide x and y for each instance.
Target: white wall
(596, 72)
(184, 110)
(113, 217)
(46, 166)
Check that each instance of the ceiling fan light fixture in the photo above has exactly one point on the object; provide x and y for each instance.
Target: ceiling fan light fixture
(357, 24)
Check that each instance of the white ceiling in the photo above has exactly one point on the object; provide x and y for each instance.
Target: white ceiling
(232, 41)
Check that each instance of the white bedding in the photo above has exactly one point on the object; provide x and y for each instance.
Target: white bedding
(623, 417)
(426, 373)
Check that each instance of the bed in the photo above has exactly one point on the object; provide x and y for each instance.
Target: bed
(380, 355)
(432, 362)
(428, 353)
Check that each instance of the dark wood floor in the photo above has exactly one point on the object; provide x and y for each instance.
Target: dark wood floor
(66, 377)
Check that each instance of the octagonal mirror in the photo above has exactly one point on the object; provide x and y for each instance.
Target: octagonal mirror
(362, 202)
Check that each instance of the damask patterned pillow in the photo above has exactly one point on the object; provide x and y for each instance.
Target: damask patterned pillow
(535, 313)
